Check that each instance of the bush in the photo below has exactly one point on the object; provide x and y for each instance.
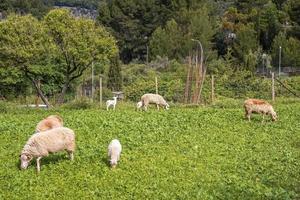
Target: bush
(171, 90)
(80, 104)
(3, 107)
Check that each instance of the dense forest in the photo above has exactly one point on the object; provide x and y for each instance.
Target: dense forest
(157, 36)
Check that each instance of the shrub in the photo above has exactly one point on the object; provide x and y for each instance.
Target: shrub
(80, 104)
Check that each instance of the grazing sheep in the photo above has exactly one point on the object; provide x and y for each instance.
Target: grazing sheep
(114, 151)
(111, 103)
(41, 144)
(259, 106)
(50, 122)
(139, 105)
(154, 99)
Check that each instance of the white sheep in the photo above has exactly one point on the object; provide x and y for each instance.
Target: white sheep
(111, 103)
(114, 152)
(259, 106)
(41, 144)
(139, 105)
(52, 121)
(154, 99)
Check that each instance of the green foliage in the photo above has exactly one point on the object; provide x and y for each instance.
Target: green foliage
(246, 42)
(80, 104)
(182, 153)
(167, 41)
(290, 55)
(79, 42)
(24, 50)
(132, 22)
(174, 40)
(89, 4)
(114, 75)
(171, 90)
(37, 8)
(268, 25)
(24, 43)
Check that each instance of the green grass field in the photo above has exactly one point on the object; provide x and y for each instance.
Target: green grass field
(183, 153)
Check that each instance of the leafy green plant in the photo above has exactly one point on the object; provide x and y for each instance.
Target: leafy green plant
(182, 153)
(80, 104)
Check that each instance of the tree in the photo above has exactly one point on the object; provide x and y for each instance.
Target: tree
(174, 40)
(167, 41)
(24, 47)
(132, 22)
(268, 25)
(246, 42)
(290, 56)
(79, 42)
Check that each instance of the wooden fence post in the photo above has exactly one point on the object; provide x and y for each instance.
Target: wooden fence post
(100, 88)
(92, 95)
(212, 89)
(156, 85)
(273, 87)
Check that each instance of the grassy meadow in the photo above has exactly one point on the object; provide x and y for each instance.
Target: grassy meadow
(183, 153)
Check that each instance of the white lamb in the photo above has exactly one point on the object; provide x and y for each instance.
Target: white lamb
(42, 143)
(139, 105)
(154, 99)
(111, 103)
(114, 152)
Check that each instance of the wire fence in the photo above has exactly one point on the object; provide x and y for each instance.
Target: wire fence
(174, 89)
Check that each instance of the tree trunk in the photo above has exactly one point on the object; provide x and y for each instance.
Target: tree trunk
(187, 89)
(202, 83)
(200, 74)
(40, 92)
(61, 97)
(198, 80)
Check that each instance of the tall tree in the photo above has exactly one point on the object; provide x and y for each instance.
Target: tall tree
(167, 41)
(78, 42)
(132, 23)
(268, 25)
(24, 46)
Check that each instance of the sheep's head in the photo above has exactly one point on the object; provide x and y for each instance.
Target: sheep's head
(274, 115)
(167, 106)
(139, 105)
(25, 160)
(113, 163)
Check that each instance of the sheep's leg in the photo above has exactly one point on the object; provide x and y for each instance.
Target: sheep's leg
(263, 118)
(157, 106)
(38, 165)
(71, 155)
(114, 106)
(249, 116)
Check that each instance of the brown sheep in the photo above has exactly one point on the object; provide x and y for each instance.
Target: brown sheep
(260, 107)
(50, 122)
